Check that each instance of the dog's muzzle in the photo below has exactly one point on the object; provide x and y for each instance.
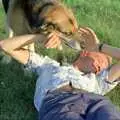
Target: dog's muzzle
(72, 40)
(74, 44)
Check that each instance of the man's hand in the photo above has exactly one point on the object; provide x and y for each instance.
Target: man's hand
(53, 41)
(89, 40)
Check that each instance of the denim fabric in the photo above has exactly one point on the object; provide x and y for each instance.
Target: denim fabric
(77, 106)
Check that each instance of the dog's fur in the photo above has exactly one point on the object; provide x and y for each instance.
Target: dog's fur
(39, 16)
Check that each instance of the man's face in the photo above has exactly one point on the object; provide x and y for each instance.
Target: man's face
(85, 64)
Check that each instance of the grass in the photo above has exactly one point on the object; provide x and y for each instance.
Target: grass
(17, 88)
(2, 24)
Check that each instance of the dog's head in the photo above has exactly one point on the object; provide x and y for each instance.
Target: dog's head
(56, 17)
(48, 17)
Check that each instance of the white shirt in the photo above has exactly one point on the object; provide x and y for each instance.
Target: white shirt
(52, 76)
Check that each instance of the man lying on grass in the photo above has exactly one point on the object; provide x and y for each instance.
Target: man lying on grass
(55, 97)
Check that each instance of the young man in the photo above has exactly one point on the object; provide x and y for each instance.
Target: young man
(55, 97)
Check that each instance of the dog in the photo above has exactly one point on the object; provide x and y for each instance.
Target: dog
(40, 16)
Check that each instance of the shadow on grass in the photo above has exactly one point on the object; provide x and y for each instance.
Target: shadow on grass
(16, 92)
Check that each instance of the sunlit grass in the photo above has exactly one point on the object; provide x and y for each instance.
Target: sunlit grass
(17, 88)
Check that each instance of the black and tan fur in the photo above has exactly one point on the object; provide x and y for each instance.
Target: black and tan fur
(39, 16)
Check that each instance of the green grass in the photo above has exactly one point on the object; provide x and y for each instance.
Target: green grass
(17, 88)
(2, 24)
(101, 15)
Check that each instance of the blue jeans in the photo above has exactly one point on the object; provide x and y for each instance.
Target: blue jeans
(77, 105)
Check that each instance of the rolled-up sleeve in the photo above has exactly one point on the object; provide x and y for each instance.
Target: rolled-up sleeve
(34, 61)
(37, 61)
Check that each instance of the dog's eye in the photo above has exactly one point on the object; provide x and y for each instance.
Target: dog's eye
(43, 27)
(68, 33)
(51, 27)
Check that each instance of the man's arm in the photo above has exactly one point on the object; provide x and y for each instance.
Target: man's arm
(111, 51)
(114, 72)
(92, 44)
(14, 46)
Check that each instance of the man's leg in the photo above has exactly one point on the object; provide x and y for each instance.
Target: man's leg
(77, 106)
(61, 106)
(102, 110)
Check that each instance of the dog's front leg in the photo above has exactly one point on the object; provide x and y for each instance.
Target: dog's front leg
(10, 32)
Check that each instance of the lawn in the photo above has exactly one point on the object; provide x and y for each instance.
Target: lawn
(17, 88)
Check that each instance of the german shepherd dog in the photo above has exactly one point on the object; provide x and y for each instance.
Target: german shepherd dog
(40, 16)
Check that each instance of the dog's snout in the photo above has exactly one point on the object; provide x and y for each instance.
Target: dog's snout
(78, 41)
